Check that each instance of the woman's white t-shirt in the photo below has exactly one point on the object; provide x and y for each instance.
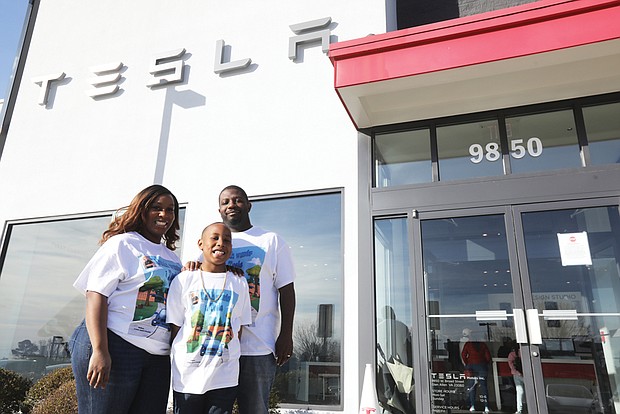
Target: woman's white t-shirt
(135, 275)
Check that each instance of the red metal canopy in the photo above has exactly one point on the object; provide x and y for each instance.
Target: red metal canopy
(538, 52)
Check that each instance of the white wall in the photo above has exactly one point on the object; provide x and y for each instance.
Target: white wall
(277, 127)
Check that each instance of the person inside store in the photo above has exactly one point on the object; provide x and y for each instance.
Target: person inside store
(516, 369)
(207, 309)
(394, 337)
(503, 352)
(265, 257)
(506, 347)
(476, 357)
(120, 353)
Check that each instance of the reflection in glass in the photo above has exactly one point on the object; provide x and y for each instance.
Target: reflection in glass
(466, 269)
(579, 356)
(39, 307)
(312, 227)
(403, 158)
(469, 150)
(393, 309)
(603, 131)
(543, 142)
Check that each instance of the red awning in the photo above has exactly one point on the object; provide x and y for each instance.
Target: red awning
(542, 51)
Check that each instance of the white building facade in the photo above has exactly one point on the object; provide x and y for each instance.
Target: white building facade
(234, 107)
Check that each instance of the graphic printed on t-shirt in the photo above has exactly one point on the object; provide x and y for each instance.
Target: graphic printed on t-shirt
(211, 323)
(149, 319)
(250, 259)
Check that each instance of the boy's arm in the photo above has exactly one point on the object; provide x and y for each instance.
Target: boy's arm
(174, 307)
(174, 330)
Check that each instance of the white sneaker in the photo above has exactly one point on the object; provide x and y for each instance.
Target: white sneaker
(486, 409)
(472, 409)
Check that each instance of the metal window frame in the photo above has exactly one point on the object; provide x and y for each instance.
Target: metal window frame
(575, 105)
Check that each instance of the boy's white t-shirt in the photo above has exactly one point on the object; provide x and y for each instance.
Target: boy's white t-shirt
(265, 258)
(134, 274)
(209, 308)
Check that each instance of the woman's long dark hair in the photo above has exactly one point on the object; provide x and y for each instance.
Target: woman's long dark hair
(133, 217)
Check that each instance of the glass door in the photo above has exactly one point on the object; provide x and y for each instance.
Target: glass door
(471, 301)
(570, 267)
(523, 308)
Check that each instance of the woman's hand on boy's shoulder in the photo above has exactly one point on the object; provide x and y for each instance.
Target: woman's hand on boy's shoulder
(191, 266)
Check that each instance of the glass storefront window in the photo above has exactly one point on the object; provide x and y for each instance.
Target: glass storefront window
(39, 307)
(403, 158)
(543, 142)
(469, 150)
(603, 131)
(535, 142)
(312, 227)
(395, 386)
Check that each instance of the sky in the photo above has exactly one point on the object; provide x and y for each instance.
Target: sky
(12, 14)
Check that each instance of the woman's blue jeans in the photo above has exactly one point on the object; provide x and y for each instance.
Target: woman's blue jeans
(139, 381)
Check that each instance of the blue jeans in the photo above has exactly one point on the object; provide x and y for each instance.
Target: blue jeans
(479, 379)
(218, 401)
(256, 375)
(520, 387)
(139, 381)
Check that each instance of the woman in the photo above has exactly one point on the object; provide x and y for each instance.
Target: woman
(120, 352)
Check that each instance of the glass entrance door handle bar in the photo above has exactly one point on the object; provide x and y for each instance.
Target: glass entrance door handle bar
(520, 327)
(533, 325)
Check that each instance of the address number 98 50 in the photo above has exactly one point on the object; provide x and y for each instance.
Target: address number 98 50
(533, 147)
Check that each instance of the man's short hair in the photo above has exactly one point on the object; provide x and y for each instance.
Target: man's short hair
(235, 187)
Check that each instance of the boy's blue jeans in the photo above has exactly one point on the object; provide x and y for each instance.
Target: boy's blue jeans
(256, 375)
(139, 381)
(218, 401)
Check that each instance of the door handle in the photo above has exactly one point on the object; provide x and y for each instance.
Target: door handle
(533, 326)
(520, 328)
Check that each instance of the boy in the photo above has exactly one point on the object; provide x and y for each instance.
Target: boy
(206, 309)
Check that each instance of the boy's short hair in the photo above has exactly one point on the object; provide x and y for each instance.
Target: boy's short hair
(212, 224)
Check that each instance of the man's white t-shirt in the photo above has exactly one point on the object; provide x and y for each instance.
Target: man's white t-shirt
(266, 260)
(134, 274)
(209, 308)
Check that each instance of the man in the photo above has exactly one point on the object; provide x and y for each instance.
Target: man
(266, 260)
